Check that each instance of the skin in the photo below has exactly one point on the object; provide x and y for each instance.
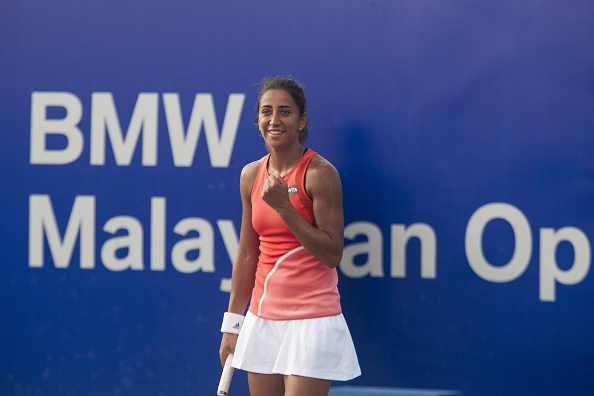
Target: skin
(280, 121)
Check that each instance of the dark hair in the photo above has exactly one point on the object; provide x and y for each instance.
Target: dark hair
(297, 92)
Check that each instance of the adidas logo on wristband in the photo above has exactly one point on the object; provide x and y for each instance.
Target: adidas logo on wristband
(232, 323)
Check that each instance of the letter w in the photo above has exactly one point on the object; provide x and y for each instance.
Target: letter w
(183, 145)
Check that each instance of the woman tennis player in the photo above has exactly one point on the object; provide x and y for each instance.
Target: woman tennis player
(293, 339)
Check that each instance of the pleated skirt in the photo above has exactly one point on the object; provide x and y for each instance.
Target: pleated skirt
(317, 348)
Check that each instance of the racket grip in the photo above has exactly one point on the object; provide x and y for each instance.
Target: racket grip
(225, 382)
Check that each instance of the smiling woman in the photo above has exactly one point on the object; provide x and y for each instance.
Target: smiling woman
(297, 93)
(291, 242)
(281, 123)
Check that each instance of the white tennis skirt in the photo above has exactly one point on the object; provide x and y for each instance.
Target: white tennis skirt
(317, 348)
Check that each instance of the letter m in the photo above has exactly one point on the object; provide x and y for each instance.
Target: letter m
(42, 222)
(105, 121)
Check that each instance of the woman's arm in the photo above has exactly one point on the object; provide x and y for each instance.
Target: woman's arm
(244, 268)
(326, 240)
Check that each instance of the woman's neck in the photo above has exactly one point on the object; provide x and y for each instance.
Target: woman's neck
(281, 162)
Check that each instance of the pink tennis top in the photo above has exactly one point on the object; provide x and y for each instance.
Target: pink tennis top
(290, 282)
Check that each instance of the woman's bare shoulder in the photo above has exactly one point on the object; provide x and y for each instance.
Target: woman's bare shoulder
(322, 178)
(251, 168)
(321, 167)
(249, 173)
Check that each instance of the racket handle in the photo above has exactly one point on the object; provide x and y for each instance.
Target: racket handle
(225, 382)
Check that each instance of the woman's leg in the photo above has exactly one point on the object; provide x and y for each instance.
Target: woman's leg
(306, 386)
(266, 384)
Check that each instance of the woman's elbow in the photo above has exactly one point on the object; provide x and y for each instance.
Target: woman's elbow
(333, 258)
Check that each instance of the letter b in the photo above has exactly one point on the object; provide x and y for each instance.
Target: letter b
(41, 126)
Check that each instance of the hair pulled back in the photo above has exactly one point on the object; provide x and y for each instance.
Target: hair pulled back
(297, 92)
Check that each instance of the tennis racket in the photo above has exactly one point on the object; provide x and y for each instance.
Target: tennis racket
(226, 376)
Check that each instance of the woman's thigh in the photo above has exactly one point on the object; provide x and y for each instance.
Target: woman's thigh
(301, 386)
(266, 384)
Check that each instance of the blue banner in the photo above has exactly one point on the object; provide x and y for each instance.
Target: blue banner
(462, 132)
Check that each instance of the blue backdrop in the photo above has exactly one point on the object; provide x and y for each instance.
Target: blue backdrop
(462, 130)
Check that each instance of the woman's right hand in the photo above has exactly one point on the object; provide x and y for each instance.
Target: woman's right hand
(228, 343)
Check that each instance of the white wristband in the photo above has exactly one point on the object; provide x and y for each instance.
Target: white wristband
(232, 323)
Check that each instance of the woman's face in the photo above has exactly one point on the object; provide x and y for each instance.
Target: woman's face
(279, 119)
